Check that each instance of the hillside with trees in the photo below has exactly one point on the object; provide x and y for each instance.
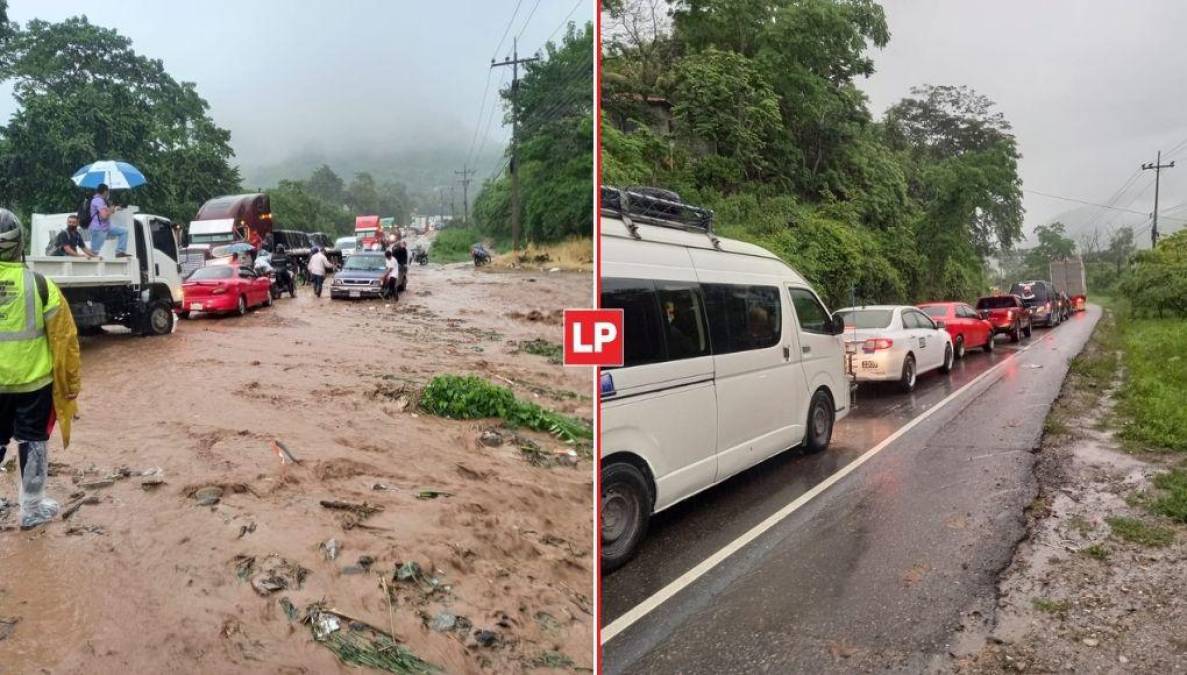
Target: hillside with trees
(751, 108)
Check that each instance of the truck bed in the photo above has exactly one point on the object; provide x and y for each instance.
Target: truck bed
(69, 272)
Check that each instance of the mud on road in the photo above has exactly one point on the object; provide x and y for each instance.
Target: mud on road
(189, 574)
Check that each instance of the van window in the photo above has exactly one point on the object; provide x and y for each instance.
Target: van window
(742, 317)
(642, 328)
(684, 320)
(812, 315)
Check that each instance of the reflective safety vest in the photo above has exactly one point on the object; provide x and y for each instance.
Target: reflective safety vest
(25, 361)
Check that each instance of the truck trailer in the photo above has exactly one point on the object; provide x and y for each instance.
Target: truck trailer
(1068, 276)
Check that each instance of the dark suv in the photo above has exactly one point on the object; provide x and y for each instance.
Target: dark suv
(1041, 301)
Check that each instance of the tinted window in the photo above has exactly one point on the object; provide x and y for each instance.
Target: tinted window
(967, 312)
(938, 311)
(997, 302)
(812, 315)
(1034, 289)
(683, 319)
(917, 319)
(212, 272)
(642, 327)
(742, 317)
(867, 318)
(245, 273)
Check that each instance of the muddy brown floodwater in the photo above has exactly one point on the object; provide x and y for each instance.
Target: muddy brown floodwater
(148, 580)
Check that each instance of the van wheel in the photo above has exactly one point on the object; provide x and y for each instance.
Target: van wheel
(906, 381)
(241, 306)
(990, 343)
(819, 431)
(946, 367)
(159, 320)
(626, 510)
(960, 346)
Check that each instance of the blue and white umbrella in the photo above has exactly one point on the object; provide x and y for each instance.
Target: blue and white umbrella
(117, 175)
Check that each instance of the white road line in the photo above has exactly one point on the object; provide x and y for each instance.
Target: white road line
(664, 594)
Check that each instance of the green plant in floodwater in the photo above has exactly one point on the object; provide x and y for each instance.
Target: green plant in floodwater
(1097, 551)
(551, 659)
(553, 351)
(470, 397)
(378, 652)
(1049, 606)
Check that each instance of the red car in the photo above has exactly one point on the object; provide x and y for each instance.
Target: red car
(1007, 313)
(967, 328)
(222, 289)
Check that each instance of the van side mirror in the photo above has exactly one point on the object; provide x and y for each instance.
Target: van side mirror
(836, 325)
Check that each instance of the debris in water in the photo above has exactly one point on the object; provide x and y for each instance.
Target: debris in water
(385, 487)
(490, 438)
(84, 529)
(283, 453)
(1033, 366)
(97, 484)
(8, 626)
(359, 643)
(445, 621)
(74, 506)
(409, 571)
(329, 549)
(289, 609)
(273, 574)
(552, 659)
(363, 510)
(152, 482)
(366, 561)
(245, 529)
(353, 569)
(208, 496)
(432, 494)
(486, 638)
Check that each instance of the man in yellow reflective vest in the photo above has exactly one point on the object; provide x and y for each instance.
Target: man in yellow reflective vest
(39, 369)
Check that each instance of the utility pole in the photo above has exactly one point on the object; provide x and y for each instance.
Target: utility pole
(514, 62)
(452, 201)
(465, 173)
(1158, 166)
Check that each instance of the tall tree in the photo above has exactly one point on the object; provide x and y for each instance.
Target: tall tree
(325, 184)
(84, 94)
(1121, 247)
(363, 195)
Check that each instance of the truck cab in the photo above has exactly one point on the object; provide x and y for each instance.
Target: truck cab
(139, 292)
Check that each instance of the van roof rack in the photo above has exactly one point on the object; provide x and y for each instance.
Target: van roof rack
(656, 206)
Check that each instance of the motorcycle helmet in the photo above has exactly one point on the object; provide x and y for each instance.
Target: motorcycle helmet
(12, 237)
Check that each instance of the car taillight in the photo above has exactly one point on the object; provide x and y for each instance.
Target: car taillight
(874, 344)
(1009, 315)
(1046, 307)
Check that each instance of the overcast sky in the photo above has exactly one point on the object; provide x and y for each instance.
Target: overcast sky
(286, 76)
(1093, 89)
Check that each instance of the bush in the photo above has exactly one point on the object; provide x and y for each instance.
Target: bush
(470, 397)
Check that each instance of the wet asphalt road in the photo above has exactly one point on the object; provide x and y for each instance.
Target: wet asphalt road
(884, 568)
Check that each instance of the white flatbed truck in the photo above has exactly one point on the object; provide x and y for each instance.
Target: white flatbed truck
(139, 292)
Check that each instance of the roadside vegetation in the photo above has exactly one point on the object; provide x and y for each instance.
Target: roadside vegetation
(471, 397)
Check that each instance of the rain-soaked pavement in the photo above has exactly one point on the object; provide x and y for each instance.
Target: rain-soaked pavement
(879, 570)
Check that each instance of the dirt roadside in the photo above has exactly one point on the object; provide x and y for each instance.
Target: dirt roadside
(1096, 586)
(484, 555)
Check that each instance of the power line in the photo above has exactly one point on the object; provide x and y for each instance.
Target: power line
(1088, 203)
(527, 20)
(506, 30)
(478, 122)
(565, 20)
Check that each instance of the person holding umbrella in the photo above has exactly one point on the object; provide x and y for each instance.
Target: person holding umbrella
(101, 227)
(102, 176)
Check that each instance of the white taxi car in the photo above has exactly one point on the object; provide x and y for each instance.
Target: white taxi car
(894, 343)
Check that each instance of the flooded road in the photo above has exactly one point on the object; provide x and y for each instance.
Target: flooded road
(876, 571)
(149, 580)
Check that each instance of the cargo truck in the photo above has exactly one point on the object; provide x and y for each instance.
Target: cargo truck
(1068, 276)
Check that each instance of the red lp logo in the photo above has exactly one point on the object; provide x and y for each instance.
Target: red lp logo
(593, 337)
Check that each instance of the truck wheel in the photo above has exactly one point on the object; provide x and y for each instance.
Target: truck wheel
(1016, 333)
(241, 306)
(906, 381)
(159, 320)
(819, 430)
(626, 510)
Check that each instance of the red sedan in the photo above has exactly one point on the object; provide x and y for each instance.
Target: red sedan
(222, 289)
(967, 328)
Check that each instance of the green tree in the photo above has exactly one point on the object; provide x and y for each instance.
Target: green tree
(363, 195)
(327, 185)
(1121, 247)
(555, 158)
(84, 94)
